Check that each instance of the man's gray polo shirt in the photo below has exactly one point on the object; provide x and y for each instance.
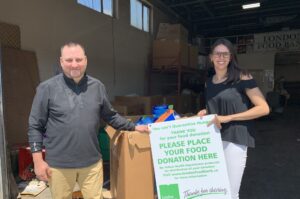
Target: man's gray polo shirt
(65, 116)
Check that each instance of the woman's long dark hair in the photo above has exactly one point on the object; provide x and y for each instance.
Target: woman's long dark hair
(234, 71)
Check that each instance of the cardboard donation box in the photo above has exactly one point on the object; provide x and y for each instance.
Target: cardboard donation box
(131, 167)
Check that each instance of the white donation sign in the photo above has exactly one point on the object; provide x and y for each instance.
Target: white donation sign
(189, 160)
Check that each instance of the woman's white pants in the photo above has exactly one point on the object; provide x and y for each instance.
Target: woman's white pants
(235, 157)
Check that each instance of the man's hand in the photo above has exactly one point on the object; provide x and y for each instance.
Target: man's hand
(41, 168)
(142, 128)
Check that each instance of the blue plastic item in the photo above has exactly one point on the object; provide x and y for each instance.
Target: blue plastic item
(145, 120)
(170, 118)
(159, 110)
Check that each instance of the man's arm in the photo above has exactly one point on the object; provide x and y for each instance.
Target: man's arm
(111, 116)
(38, 118)
(37, 126)
(41, 168)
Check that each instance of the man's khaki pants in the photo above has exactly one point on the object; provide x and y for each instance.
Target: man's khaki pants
(89, 179)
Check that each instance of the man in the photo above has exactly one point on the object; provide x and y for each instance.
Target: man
(284, 95)
(65, 117)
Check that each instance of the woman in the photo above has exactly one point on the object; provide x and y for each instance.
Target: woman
(232, 94)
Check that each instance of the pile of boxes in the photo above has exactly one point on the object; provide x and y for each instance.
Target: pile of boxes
(131, 166)
(142, 105)
(171, 48)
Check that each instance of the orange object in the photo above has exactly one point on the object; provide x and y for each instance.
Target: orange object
(165, 115)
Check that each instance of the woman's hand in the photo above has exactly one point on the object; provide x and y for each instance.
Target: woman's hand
(202, 112)
(219, 119)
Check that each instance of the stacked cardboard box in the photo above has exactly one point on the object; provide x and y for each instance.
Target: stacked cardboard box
(128, 109)
(172, 32)
(142, 105)
(147, 102)
(169, 54)
(170, 48)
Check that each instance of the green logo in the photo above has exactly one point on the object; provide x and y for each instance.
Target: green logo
(170, 191)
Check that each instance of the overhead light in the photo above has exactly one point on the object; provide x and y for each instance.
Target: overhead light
(251, 5)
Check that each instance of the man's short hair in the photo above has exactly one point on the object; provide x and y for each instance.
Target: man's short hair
(71, 44)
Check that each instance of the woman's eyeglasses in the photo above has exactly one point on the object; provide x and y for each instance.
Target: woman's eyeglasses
(225, 55)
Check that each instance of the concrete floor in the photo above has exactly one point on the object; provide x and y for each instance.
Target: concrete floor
(273, 166)
(44, 195)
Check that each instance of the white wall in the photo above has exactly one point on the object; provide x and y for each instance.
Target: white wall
(118, 54)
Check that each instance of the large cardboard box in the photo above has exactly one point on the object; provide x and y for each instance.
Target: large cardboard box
(131, 166)
(173, 32)
(147, 101)
(169, 53)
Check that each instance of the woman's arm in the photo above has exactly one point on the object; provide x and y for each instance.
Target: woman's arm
(259, 109)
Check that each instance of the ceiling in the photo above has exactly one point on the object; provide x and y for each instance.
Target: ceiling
(214, 18)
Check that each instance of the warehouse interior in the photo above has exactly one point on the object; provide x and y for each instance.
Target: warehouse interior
(151, 52)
